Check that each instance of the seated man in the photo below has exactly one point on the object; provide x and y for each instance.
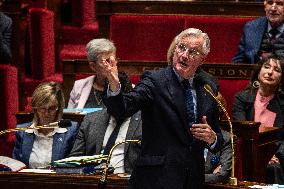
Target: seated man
(218, 166)
(97, 130)
(263, 36)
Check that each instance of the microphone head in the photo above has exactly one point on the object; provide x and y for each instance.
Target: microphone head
(63, 123)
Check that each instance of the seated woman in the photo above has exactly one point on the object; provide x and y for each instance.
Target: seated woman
(263, 101)
(87, 92)
(37, 148)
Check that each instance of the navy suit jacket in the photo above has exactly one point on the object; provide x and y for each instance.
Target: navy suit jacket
(5, 38)
(251, 41)
(62, 143)
(170, 157)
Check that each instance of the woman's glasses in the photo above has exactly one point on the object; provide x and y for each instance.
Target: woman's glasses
(51, 109)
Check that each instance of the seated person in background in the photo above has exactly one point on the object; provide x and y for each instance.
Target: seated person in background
(37, 148)
(263, 36)
(263, 100)
(275, 168)
(218, 166)
(86, 93)
(5, 38)
(95, 132)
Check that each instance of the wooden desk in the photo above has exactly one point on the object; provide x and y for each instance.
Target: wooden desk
(55, 181)
(258, 145)
(13, 180)
(257, 148)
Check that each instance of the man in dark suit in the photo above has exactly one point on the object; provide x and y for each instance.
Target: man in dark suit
(178, 121)
(263, 36)
(91, 139)
(218, 166)
(5, 38)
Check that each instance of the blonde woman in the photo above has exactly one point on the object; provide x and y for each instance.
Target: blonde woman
(37, 148)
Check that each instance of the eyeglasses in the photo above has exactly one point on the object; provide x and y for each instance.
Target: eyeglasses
(51, 109)
(182, 48)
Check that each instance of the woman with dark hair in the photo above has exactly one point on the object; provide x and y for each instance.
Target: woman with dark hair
(39, 147)
(263, 101)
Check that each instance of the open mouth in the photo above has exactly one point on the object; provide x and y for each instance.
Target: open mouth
(183, 64)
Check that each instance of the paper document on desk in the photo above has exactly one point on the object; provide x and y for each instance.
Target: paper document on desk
(37, 171)
(12, 164)
(80, 161)
(82, 111)
(273, 186)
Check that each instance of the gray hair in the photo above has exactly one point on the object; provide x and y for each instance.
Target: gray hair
(96, 47)
(189, 32)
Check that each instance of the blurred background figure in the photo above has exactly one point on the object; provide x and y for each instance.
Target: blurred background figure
(218, 166)
(5, 38)
(37, 148)
(263, 36)
(263, 101)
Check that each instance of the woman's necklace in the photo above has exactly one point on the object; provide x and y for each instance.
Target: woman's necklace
(97, 97)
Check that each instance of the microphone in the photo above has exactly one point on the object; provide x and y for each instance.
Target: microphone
(233, 180)
(103, 180)
(63, 123)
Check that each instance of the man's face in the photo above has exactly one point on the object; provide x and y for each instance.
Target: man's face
(274, 10)
(188, 56)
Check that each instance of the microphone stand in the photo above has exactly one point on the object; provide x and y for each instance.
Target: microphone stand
(232, 180)
(26, 128)
(103, 180)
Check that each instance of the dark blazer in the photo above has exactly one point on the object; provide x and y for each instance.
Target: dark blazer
(225, 160)
(91, 134)
(61, 147)
(251, 41)
(243, 107)
(5, 38)
(170, 157)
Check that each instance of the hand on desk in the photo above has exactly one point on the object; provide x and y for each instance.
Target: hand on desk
(203, 131)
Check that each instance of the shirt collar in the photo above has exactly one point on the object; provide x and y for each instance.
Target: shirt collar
(190, 80)
(279, 28)
(35, 131)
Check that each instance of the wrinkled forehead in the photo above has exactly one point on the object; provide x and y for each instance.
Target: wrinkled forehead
(192, 40)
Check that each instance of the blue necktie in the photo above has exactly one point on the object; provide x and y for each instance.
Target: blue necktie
(189, 103)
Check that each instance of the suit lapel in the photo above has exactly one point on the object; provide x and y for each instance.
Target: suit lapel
(176, 92)
(85, 95)
(133, 126)
(256, 38)
(98, 132)
(28, 142)
(57, 146)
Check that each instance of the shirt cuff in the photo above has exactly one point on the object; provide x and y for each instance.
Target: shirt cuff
(111, 93)
(212, 146)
